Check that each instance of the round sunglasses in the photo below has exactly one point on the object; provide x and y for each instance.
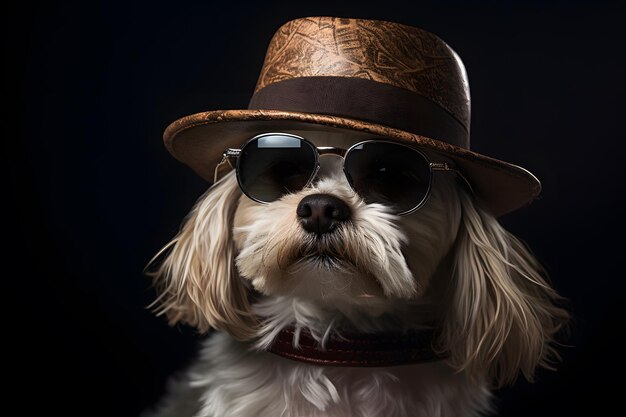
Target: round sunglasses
(271, 165)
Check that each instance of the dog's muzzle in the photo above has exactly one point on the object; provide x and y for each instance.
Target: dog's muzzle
(322, 213)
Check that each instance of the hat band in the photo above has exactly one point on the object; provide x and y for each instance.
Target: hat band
(366, 100)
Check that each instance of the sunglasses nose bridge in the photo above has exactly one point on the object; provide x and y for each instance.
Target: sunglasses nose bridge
(329, 165)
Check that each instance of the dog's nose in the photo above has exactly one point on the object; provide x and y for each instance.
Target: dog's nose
(321, 213)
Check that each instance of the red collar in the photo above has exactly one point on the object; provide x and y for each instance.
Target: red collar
(360, 349)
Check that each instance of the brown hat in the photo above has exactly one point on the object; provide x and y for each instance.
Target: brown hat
(356, 79)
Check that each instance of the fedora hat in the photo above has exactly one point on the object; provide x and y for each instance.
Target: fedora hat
(345, 80)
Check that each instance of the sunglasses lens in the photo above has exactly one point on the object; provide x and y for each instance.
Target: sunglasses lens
(273, 165)
(388, 173)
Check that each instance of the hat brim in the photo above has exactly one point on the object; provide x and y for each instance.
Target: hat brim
(199, 140)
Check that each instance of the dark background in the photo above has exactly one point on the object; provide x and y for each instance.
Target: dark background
(93, 194)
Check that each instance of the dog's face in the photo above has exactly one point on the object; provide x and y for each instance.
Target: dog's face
(325, 244)
(363, 255)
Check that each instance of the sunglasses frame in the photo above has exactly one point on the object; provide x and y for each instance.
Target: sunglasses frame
(231, 153)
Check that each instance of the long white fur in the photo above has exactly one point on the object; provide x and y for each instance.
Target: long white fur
(450, 264)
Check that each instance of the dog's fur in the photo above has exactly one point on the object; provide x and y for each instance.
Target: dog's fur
(250, 270)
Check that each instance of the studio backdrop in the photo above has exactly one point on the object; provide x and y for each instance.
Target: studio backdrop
(94, 194)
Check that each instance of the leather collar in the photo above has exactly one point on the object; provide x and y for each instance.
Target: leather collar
(359, 349)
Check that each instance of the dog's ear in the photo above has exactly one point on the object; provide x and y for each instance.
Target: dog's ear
(503, 314)
(197, 280)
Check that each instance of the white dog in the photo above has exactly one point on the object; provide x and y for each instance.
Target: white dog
(260, 271)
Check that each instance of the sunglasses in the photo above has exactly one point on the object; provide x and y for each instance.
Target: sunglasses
(271, 165)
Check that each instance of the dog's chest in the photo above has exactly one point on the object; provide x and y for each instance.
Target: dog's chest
(234, 381)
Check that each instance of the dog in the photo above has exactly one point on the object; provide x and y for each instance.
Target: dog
(349, 253)
(253, 270)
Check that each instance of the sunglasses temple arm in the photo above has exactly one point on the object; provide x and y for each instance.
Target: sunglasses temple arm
(227, 156)
(443, 166)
